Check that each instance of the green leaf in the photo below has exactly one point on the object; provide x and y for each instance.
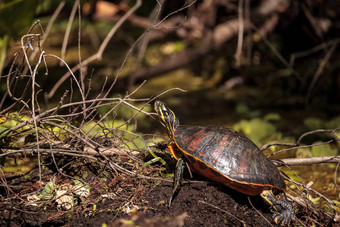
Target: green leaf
(323, 150)
(3, 49)
(334, 123)
(257, 129)
(272, 117)
(3, 131)
(136, 144)
(155, 158)
(303, 153)
(49, 191)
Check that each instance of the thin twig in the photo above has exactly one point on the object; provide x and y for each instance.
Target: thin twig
(240, 33)
(34, 116)
(298, 143)
(259, 212)
(48, 29)
(224, 211)
(307, 161)
(319, 71)
(68, 31)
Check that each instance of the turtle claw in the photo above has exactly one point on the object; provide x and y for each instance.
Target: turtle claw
(284, 213)
(283, 210)
(283, 218)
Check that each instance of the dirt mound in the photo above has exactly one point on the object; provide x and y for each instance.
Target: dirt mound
(198, 203)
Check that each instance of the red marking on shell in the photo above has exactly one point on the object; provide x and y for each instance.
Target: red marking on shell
(244, 164)
(223, 143)
(194, 144)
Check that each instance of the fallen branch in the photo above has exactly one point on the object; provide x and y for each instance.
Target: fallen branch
(299, 141)
(307, 161)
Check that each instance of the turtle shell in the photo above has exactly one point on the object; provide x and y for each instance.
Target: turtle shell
(228, 157)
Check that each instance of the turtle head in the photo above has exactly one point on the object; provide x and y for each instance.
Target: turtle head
(167, 116)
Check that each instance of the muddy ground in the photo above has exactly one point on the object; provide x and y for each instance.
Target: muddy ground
(131, 201)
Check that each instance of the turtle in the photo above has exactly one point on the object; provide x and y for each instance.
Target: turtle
(225, 156)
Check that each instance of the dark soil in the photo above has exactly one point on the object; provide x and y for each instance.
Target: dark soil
(199, 203)
(118, 199)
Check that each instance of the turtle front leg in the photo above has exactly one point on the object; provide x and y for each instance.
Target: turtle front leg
(284, 211)
(177, 179)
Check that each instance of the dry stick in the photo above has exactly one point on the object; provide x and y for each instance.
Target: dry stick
(154, 16)
(60, 103)
(297, 144)
(330, 202)
(318, 73)
(100, 51)
(8, 91)
(69, 69)
(312, 50)
(8, 188)
(249, 32)
(68, 31)
(259, 212)
(4, 181)
(33, 113)
(276, 53)
(141, 109)
(224, 211)
(131, 106)
(33, 75)
(48, 28)
(37, 22)
(88, 141)
(112, 109)
(93, 107)
(113, 165)
(48, 151)
(115, 151)
(25, 54)
(334, 134)
(81, 154)
(296, 147)
(307, 161)
(316, 131)
(240, 34)
(81, 73)
(105, 115)
(50, 111)
(101, 105)
(45, 115)
(317, 28)
(10, 82)
(64, 174)
(336, 170)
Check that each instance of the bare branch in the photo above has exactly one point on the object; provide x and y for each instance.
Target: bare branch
(306, 161)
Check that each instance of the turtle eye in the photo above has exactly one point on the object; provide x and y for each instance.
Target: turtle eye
(164, 109)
